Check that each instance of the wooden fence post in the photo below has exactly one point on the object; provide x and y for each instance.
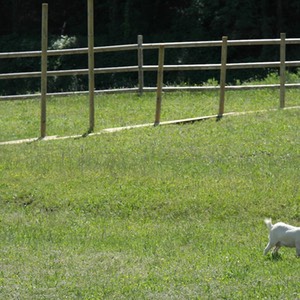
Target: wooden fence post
(140, 64)
(282, 69)
(223, 76)
(160, 71)
(91, 63)
(44, 68)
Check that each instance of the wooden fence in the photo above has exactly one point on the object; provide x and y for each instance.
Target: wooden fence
(140, 68)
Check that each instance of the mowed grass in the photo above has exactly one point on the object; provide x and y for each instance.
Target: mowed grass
(168, 212)
(70, 115)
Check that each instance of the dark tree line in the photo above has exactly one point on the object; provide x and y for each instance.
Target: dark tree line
(118, 22)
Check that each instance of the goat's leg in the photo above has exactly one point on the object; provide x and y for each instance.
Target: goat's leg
(298, 248)
(275, 250)
(267, 249)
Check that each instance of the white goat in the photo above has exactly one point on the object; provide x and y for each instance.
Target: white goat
(282, 234)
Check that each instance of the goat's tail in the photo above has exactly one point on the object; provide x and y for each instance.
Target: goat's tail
(268, 222)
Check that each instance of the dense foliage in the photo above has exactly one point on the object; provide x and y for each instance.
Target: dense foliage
(118, 22)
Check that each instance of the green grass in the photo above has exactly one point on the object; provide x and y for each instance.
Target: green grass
(70, 115)
(169, 212)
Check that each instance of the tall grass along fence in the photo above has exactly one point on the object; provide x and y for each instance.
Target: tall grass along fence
(140, 68)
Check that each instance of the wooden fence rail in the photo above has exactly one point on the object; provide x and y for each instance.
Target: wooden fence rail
(136, 68)
(140, 68)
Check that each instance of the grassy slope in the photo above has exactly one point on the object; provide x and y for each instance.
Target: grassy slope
(171, 212)
(69, 115)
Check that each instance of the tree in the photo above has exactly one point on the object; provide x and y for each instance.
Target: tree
(120, 21)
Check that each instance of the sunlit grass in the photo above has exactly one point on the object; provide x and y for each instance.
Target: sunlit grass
(169, 212)
(70, 115)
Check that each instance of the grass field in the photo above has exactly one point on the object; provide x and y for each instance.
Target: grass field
(169, 212)
(70, 115)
